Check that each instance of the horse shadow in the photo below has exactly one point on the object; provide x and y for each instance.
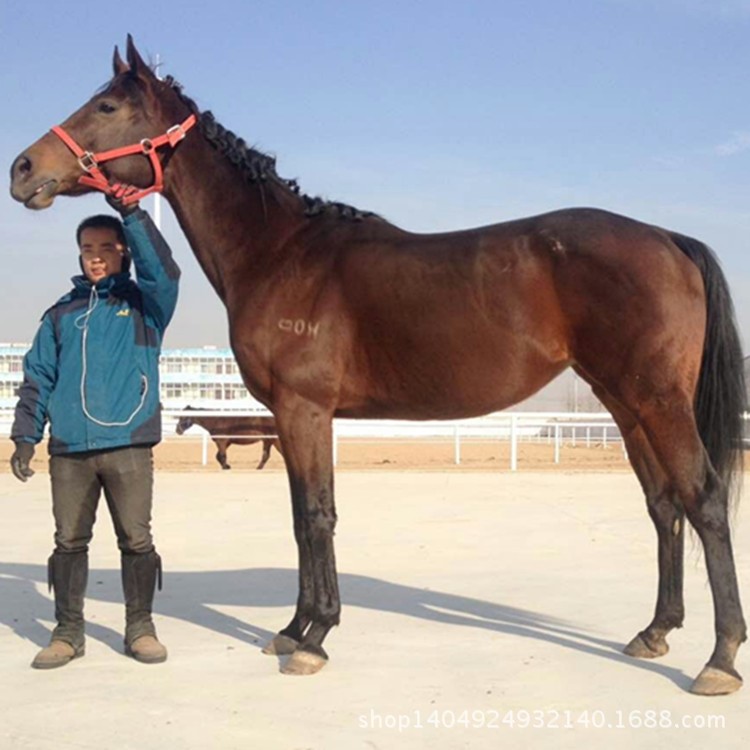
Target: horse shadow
(192, 596)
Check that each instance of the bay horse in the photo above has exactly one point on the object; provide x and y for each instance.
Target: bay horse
(335, 312)
(232, 430)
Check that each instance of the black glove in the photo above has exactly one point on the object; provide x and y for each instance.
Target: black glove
(20, 460)
(118, 205)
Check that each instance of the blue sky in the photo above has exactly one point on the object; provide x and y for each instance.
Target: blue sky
(437, 115)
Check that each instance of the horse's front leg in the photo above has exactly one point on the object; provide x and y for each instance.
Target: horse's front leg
(306, 436)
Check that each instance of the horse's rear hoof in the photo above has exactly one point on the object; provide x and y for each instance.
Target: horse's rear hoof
(280, 645)
(303, 662)
(641, 650)
(712, 681)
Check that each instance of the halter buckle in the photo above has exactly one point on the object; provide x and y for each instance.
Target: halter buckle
(147, 145)
(175, 134)
(87, 161)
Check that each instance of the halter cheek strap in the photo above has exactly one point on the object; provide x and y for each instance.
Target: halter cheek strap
(95, 178)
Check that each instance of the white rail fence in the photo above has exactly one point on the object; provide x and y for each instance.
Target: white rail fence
(553, 428)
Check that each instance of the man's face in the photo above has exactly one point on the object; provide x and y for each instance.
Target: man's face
(101, 253)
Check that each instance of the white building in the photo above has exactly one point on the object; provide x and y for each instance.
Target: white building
(195, 377)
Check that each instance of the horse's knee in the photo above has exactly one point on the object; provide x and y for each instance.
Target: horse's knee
(315, 524)
(321, 524)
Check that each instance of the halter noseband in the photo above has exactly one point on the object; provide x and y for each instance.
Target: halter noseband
(94, 177)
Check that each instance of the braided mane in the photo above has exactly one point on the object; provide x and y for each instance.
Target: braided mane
(254, 165)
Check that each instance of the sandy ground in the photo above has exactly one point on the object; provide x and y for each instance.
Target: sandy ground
(481, 609)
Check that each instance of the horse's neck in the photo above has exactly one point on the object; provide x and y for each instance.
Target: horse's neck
(234, 227)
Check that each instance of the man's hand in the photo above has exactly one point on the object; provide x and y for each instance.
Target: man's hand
(20, 460)
(117, 204)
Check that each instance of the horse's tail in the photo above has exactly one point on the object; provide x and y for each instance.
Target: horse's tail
(721, 396)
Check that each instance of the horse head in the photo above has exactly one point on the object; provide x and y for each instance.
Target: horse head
(185, 423)
(133, 108)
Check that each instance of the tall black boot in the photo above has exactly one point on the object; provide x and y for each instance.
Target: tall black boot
(68, 575)
(139, 576)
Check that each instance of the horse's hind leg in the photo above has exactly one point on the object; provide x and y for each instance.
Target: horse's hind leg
(669, 423)
(668, 516)
(266, 453)
(221, 454)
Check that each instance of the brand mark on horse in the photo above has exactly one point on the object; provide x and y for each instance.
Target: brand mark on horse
(300, 327)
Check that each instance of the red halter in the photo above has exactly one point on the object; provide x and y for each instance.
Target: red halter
(94, 176)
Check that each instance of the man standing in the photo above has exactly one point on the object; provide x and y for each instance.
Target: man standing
(92, 373)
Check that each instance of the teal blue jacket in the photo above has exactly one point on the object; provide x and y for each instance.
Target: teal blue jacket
(93, 369)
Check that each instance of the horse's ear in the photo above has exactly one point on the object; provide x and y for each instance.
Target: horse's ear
(118, 64)
(135, 61)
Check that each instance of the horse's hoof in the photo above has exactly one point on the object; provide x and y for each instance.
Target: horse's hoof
(712, 681)
(280, 645)
(303, 662)
(641, 650)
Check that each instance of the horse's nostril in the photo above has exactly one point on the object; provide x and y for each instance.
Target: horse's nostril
(23, 165)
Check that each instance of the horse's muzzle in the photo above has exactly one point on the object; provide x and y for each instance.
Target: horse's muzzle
(28, 188)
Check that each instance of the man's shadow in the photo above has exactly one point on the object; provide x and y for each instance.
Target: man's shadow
(192, 596)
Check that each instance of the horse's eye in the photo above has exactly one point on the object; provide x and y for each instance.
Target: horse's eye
(106, 107)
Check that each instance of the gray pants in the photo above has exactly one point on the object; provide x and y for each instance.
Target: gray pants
(125, 474)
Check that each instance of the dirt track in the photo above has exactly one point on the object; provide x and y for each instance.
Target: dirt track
(185, 454)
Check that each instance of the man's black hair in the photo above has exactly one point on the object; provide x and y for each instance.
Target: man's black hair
(102, 221)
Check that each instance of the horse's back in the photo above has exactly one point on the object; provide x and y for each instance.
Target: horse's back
(256, 427)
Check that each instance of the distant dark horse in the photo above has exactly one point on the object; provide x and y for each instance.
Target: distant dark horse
(230, 430)
(337, 313)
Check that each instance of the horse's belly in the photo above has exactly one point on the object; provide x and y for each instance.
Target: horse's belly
(437, 387)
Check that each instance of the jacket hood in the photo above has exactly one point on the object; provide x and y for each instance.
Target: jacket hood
(114, 284)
